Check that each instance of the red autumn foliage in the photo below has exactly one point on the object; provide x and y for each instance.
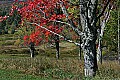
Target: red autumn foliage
(25, 37)
(41, 12)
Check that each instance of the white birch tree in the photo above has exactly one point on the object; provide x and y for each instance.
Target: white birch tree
(101, 28)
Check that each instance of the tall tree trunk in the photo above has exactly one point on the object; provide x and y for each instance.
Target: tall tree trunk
(56, 38)
(100, 35)
(90, 54)
(57, 11)
(101, 31)
(88, 21)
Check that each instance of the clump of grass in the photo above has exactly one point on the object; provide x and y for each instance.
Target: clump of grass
(109, 69)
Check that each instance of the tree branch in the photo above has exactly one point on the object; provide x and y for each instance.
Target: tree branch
(107, 16)
(103, 9)
(69, 20)
(62, 22)
(78, 44)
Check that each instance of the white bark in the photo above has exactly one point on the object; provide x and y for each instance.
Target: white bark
(99, 49)
(88, 22)
(31, 53)
(100, 34)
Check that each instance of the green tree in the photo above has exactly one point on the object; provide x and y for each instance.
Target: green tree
(110, 35)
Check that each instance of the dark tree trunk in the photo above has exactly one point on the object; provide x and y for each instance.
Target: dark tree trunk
(32, 49)
(57, 46)
(57, 11)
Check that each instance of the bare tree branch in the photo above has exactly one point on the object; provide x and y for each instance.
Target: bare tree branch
(107, 16)
(69, 20)
(62, 22)
(103, 9)
(78, 44)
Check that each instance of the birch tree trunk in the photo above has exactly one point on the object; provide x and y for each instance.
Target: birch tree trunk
(90, 54)
(100, 33)
(88, 22)
(99, 49)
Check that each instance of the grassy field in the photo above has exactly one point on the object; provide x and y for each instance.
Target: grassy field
(17, 75)
(42, 67)
(16, 64)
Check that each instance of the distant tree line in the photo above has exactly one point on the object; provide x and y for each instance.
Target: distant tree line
(11, 23)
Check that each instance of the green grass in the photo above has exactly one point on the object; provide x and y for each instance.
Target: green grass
(6, 38)
(42, 66)
(17, 75)
(16, 64)
(51, 68)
